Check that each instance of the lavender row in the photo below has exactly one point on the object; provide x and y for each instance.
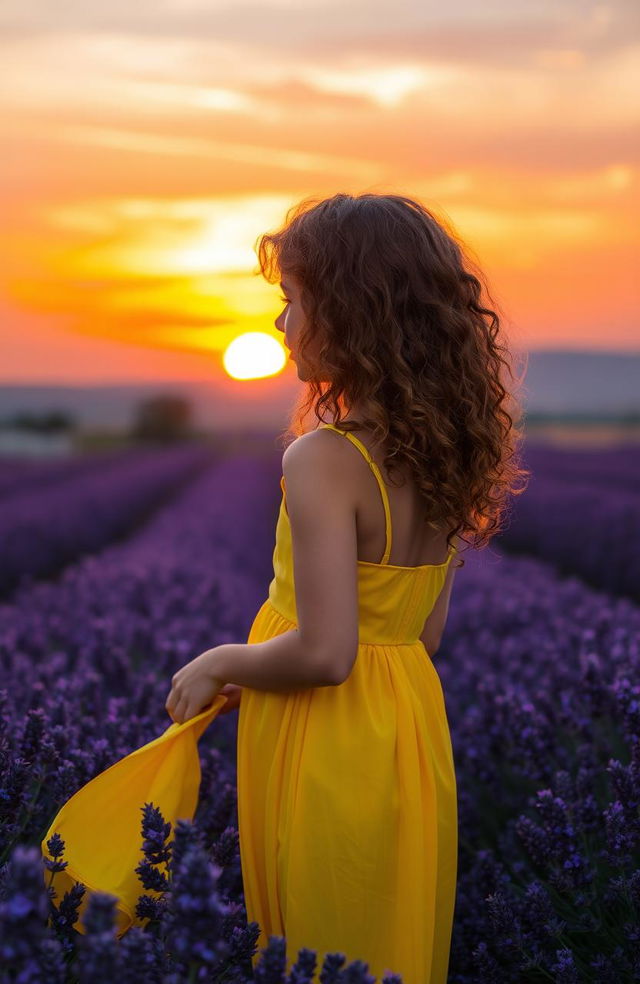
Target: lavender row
(611, 467)
(541, 677)
(184, 582)
(45, 529)
(18, 475)
(542, 681)
(89, 687)
(588, 530)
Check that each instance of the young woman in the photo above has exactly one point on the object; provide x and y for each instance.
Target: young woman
(346, 782)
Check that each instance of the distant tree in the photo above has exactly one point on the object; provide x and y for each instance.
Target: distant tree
(162, 418)
(49, 422)
(57, 420)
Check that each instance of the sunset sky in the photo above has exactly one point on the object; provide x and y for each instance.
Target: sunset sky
(146, 146)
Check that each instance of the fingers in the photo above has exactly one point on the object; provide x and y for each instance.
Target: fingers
(176, 708)
(170, 705)
(182, 708)
(231, 703)
(179, 709)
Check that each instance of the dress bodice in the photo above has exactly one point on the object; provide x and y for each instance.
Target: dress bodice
(393, 601)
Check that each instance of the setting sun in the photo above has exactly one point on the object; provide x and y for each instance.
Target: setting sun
(253, 355)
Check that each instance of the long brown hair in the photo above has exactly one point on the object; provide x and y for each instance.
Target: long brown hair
(404, 333)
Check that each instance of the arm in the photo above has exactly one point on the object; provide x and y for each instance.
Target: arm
(437, 619)
(322, 649)
(280, 664)
(276, 664)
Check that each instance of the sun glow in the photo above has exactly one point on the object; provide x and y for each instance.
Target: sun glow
(253, 355)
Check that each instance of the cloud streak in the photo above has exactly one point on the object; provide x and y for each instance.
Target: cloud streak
(146, 146)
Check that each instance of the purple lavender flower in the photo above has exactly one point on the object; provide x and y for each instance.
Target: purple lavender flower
(27, 952)
(541, 678)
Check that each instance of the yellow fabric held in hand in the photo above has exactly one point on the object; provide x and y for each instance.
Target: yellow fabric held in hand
(101, 824)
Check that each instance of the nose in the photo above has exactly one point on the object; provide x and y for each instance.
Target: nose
(282, 330)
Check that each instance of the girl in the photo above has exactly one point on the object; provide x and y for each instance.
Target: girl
(347, 802)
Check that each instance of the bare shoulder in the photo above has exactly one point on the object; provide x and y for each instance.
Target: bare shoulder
(322, 440)
(320, 453)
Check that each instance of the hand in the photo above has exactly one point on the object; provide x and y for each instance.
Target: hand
(233, 692)
(193, 687)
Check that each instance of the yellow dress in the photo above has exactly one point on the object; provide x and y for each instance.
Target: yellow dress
(347, 804)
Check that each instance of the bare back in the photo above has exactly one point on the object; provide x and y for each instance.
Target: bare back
(414, 542)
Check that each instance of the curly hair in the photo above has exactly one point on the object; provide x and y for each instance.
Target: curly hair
(404, 334)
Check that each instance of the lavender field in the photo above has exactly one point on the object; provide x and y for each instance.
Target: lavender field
(540, 665)
(72, 508)
(582, 514)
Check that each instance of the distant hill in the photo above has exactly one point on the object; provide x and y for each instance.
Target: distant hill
(562, 382)
(112, 407)
(574, 382)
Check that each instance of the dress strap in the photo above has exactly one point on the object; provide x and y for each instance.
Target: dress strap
(383, 490)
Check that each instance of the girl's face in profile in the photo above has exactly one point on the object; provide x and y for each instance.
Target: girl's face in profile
(291, 320)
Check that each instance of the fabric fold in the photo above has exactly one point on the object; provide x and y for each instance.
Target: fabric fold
(101, 824)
